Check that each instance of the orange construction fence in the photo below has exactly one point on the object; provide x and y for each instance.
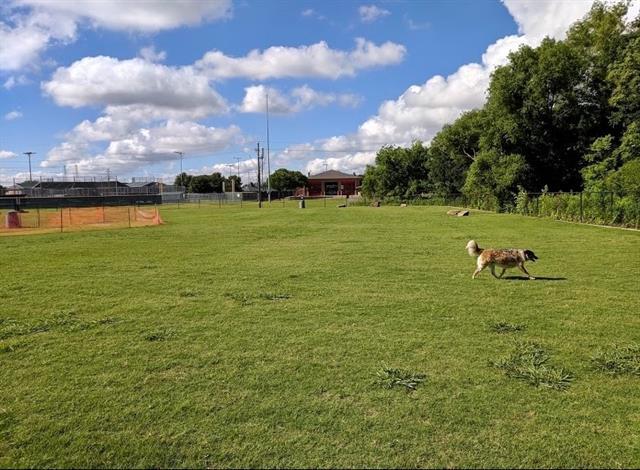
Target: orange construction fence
(77, 218)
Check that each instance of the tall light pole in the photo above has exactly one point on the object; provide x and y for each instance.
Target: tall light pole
(259, 182)
(181, 173)
(28, 154)
(268, 155)
(233, 182)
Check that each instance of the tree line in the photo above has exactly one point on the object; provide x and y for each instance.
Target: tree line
(281, 180)
(564, 116)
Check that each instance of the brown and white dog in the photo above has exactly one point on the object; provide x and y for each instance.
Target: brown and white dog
(504, 259)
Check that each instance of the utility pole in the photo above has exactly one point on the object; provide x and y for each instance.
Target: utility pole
(259, 182)
(238, 160)
(181, 173)
(28, 154)
(268, 155)
(76, 172)
(233, 182)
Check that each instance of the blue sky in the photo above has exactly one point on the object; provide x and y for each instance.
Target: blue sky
(116, 86)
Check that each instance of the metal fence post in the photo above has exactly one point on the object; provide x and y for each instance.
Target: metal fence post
(581, 208)
(61, 211)
(129, 215)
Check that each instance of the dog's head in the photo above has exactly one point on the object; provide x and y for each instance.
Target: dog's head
(530, 256)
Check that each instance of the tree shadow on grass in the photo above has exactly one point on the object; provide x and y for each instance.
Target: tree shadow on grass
(537, 278)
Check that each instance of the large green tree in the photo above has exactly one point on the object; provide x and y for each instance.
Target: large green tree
(286, 180)
(398, 172)
(453, 150)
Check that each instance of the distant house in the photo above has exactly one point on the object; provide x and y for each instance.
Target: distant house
(14, 190)
(332, 183)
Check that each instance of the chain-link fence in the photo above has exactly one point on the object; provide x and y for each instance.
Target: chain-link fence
(600, 208)
(250, 199)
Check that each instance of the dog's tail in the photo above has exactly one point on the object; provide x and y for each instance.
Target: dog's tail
(473, 249)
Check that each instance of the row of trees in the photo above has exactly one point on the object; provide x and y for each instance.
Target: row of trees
(563, 116)
(213, 183)
(281, 180)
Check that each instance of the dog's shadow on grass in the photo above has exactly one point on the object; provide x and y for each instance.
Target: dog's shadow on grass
(538, 278)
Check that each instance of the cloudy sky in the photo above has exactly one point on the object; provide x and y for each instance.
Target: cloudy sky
(95, 86)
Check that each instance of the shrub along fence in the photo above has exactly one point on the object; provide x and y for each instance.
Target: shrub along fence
(601, 208)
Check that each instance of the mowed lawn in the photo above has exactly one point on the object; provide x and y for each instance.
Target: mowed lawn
(235, 337)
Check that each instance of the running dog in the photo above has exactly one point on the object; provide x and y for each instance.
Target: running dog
(504, 259)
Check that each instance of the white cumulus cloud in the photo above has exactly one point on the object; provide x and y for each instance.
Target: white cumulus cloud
(316, 60)
(6, 154)
(371, 13)
(11, 115)
(299, 99)
(138, 15)
(29, 27)
(150, 54)
(128, 151)
(24, 36)
(135, 86)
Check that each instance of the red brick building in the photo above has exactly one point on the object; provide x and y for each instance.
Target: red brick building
(332, 183)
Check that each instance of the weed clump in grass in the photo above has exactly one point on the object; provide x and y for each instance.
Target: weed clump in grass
(506, 327)
(160, 335)
(188, 293)
(619, 360)
(528, 362)
(389, 377)
(241, 298)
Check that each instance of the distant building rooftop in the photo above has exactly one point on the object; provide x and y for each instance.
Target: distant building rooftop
(333, 175)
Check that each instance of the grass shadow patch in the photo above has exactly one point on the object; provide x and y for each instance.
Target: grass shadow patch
(66, 321)
(188, 293)
(618, 360)
(389, 377)
(529, 362)
(275, 296)
(506, 327)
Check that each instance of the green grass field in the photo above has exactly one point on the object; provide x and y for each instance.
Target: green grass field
(236, 337)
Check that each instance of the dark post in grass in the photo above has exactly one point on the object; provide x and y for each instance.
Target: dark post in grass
(61, 220)
(129, 215)
(581, 209)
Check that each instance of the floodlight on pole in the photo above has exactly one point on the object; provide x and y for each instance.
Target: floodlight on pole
(28, 154)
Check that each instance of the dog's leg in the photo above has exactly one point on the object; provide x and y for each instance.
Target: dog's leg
(502, 273)
(493, 271)
(478, 269)
(522, 268)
